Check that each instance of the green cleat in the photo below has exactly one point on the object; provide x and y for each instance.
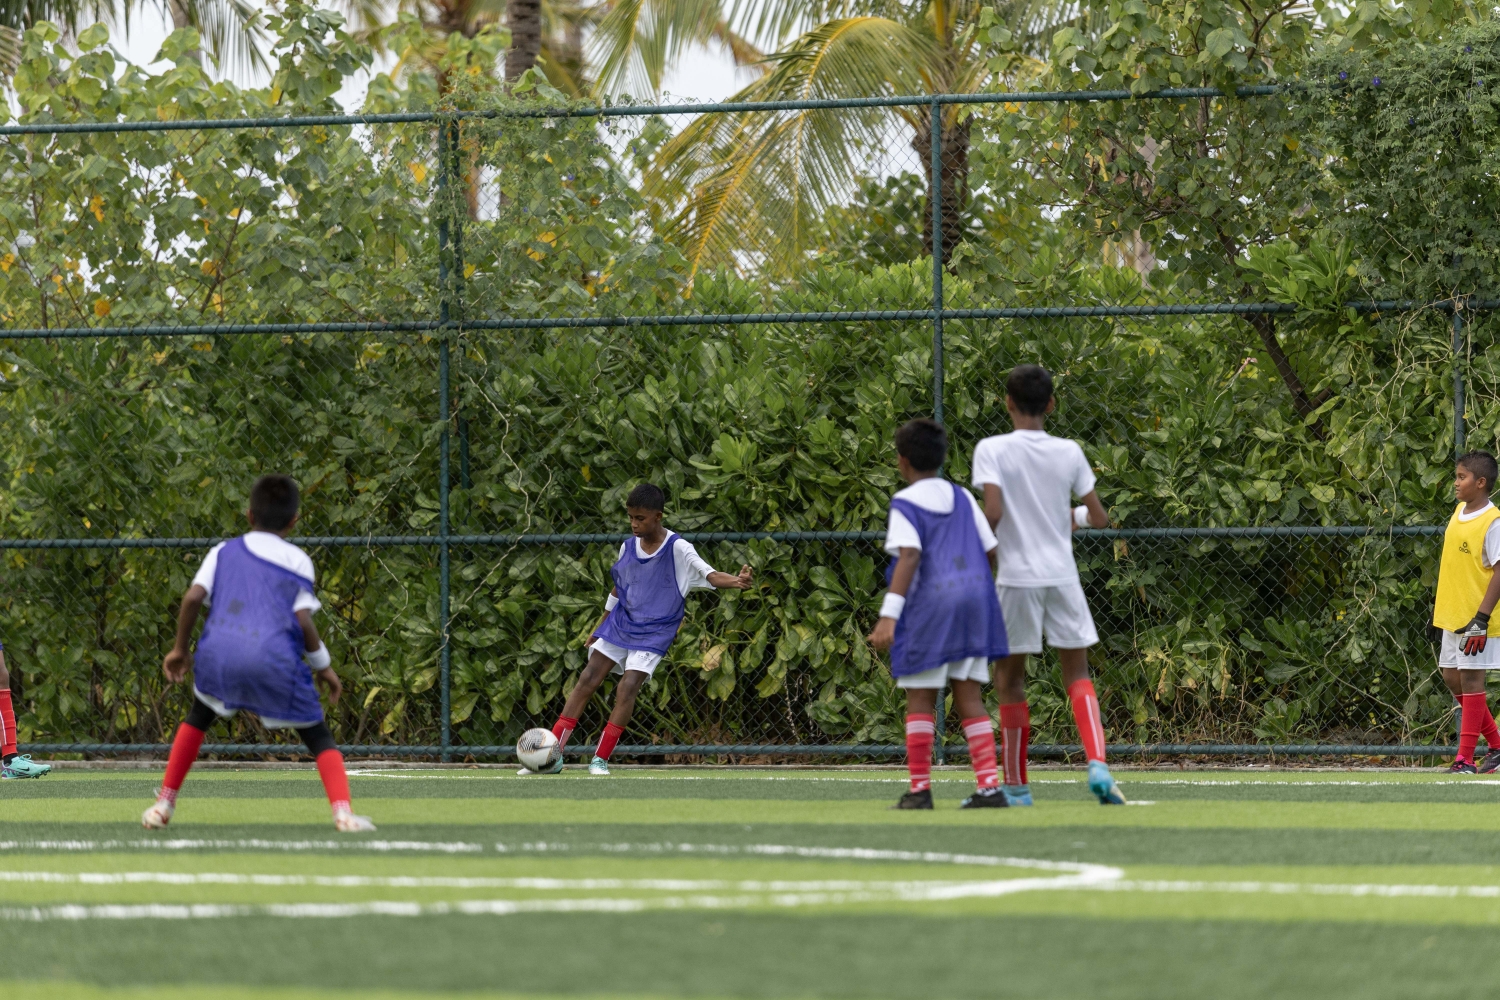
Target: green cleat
(22, 766)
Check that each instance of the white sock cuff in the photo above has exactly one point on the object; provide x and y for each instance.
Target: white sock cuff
(979, 727)
(916, 727)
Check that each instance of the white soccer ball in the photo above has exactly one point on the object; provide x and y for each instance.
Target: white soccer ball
(538, 749)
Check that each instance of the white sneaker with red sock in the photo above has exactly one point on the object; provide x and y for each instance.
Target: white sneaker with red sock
(158, 814)
(345, 821)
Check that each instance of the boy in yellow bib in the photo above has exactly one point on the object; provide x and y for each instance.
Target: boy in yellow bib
(1467, 591)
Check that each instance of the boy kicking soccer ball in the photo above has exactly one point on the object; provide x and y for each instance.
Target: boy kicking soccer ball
(1467, 590)
(252, 651)
(940, 618)
(13, 764)
(1029, 477)
(653, 575)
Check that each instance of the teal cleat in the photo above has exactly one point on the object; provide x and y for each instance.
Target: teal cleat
(554, 768)
(1102, 784)
(599, 767)
(1019, 795)
(22, 766)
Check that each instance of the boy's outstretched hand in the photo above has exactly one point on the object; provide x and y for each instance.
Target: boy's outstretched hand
(724, 581)
(330, 683)
(883, 634)
(176, 665)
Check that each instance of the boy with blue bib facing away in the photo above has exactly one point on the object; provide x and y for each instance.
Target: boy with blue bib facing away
(1467, 589)
(250, 657)
(653, 575)
(940, 618)
(1029, 479)
(12, 763)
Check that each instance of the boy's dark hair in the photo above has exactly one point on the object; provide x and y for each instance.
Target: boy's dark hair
(1031, 387)
(273, 501)
(1481, 465)
(923, 443)
(647, 497)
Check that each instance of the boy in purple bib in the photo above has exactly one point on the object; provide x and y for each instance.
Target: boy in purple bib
(940, 619)
(653, 575)
(256, 650)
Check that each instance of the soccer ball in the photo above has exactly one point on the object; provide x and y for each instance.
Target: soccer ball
(537, 749)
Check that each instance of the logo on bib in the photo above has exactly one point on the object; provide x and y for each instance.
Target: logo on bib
(1463, 547)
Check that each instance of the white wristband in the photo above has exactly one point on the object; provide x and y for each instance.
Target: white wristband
(610, 602)
(1081, 516)
(319, 658)
(892, 606)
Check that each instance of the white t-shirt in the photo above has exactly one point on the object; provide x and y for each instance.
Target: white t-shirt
(936, 495)
(692, 571)
(1491, 554)
(273, 549)
(1038, 476)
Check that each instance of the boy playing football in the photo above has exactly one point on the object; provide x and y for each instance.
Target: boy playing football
(1467, 590)
(1029, 477)
(251, 654)
(940, 618)
(653, 575)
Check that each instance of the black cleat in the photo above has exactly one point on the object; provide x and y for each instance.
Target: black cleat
(1491, 762)
(986, 798)
(1461, 767)
(915, 800)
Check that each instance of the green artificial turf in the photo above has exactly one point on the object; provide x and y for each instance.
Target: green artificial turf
(689, 884)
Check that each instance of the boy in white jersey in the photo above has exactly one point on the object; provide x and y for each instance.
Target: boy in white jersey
(1029, 479)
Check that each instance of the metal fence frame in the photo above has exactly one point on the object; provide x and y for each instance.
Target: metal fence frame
(453, 282)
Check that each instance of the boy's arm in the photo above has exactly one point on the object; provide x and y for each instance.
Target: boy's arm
(906, 568)
(614, 598)
(723, 581)
(1096, 515)
(994, 509)
(318, 658)
(177, 662)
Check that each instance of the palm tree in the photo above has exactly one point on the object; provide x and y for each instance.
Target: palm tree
(765, 179)
(231, 30)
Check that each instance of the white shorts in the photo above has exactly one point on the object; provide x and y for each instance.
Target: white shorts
(642, 660)
(223, 711)
(1451, 655)
(1061, 611)
(975, 668)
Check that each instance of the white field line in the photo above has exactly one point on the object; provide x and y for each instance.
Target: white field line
(443, 882)
(1307, 888)
(180, 844)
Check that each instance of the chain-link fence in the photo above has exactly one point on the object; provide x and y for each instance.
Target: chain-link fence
(469, 334)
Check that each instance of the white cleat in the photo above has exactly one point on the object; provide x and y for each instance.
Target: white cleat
(599, 767)
(554, 768)
(344, 821)
(158, 816)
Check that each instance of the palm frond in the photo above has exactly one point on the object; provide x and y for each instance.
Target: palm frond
(741, 190)
(638, 40)
(233, 32)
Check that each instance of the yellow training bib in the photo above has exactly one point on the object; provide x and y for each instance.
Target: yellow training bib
(1462, 578)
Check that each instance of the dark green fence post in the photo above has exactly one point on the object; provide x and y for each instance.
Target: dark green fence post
(1458, 379)
(939, 744)
(445, 316)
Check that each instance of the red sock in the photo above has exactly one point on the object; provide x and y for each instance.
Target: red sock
(335, 781)
(1474, 709)
(1086, 714)
(980, 733)
(1487, 727)
(184, 752)
(1015, 729)
(612, 734)
(7, 725)
(920, 732)
(563, 728)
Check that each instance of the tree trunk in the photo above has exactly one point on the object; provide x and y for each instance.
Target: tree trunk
(955, 180)
(524, 17)
(180, 20)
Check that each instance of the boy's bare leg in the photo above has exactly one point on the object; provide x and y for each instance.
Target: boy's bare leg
(595, 670)
(625, 694)
(1015, 725)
